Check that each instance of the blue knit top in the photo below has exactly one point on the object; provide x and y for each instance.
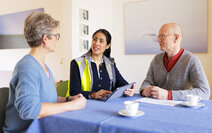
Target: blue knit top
(29, 88)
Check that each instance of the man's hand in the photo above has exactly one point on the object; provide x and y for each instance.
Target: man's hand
(159, 93)
(146, 92)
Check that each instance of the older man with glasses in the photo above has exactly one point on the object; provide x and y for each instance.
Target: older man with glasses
(175, 72)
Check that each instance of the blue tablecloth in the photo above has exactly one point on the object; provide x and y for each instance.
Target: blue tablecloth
(103, 117)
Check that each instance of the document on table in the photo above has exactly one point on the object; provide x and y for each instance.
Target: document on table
(160, 102)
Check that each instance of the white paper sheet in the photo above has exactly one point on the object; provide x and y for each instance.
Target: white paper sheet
(160, 102)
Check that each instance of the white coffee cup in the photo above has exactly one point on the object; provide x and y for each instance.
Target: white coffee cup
(192, 99)
(131, 107)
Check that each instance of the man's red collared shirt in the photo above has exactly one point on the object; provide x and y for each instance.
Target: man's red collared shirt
(169, 64)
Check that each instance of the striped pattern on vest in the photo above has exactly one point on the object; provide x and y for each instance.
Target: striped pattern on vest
(86, 74)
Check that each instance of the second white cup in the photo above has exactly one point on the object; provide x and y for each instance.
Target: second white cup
(192, 99)
(131, 107)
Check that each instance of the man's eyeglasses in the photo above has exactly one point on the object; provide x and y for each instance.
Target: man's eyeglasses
(56, 35)
(163, 36)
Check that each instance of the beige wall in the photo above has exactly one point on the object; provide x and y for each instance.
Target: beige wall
(206, 58)
(108, 14)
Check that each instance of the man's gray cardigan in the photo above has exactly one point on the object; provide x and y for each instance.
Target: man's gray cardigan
(186, 77)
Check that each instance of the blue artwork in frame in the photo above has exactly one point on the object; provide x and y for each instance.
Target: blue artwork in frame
(12, 29)
(144, 18)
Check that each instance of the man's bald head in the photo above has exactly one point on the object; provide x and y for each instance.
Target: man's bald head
(173, 28)
(169, 38)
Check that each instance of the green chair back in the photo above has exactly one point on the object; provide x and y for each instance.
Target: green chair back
(62, 88)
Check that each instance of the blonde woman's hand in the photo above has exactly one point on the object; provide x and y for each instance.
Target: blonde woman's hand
(70, 98)
(79, 102)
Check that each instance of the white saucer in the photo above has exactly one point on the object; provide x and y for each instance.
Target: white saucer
(198, 104)
(124, 113)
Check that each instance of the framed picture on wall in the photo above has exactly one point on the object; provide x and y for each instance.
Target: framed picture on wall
(11, 29)
(84, 30)
(85, 44)
(84, 47)
(143, 20)
(84, 14)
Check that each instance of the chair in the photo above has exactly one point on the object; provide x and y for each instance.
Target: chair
(62, 88)
(4, 94)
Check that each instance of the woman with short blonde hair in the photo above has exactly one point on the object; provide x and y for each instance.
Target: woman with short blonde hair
(32, 91)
